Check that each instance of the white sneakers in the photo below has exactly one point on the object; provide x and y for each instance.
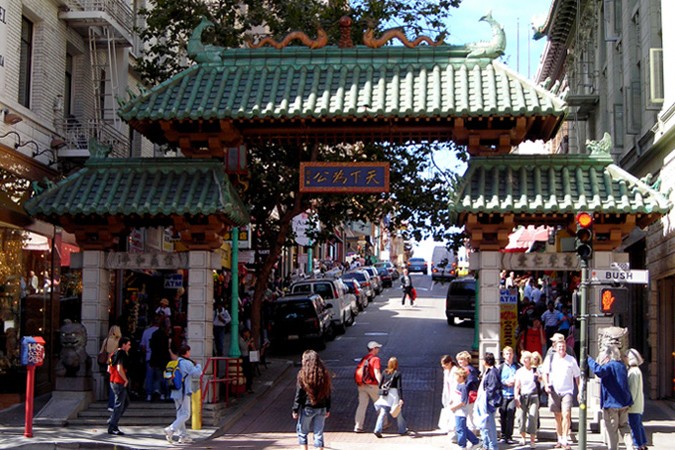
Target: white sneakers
(168, 432)
(184, 440)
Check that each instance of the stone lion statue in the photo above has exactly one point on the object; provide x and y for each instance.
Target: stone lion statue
(73, 360)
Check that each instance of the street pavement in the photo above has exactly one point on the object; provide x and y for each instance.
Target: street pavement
(417, 335)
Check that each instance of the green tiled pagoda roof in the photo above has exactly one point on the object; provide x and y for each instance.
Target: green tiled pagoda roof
(142, 187)
(299, 84)
(550, 184)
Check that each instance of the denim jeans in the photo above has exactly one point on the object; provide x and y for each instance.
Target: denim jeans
(382, 413)
(637, 430)
(489, 433)
(311, 419)
(121, 403)
(463, 433)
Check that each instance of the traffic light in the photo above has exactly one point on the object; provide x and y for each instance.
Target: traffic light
(613, 300)
(584, 238)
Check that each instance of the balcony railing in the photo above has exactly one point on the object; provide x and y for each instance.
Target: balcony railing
(118, 10)
(78, 133)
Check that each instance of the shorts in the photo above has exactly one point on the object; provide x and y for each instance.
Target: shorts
(560, 403)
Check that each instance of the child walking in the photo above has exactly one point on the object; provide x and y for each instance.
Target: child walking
(459, 406)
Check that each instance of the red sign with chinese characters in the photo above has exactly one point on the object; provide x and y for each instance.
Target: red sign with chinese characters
(348, 177)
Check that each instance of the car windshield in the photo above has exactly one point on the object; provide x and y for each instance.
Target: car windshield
(295, 310)
(383, 271)
(354, 276)
(463, 288)
(416, 260)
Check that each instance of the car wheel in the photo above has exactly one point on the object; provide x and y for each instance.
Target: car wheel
(451, 320)
(350, 322)
(320, 343)
(339, 328)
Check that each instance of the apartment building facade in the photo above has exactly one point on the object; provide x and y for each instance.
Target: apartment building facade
(63, 64)
(610, 56)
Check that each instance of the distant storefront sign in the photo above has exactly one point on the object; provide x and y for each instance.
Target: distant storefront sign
(244, 236)
(347, 177)
(508, 317)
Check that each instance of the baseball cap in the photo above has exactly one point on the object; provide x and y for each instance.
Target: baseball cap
(557, 337)
(373, 344)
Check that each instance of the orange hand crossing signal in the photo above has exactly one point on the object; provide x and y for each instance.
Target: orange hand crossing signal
(613, 300)
(608, 300)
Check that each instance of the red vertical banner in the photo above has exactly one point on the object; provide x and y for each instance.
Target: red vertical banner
(508, 317)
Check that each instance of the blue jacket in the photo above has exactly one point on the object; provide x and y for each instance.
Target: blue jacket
(614, 389)
(493, 389)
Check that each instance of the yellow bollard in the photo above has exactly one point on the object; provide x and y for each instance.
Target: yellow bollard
(197, 410)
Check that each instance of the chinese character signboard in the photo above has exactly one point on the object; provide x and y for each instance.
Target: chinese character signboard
(349, 177)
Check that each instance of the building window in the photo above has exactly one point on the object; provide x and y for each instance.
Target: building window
(618, 125)
(656, 76)
(25, 62)
(68, 89)
(634, 99)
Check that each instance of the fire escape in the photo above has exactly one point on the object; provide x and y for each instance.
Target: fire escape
(107, 25)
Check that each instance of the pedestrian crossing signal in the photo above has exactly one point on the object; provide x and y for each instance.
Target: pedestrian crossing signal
(613, 300)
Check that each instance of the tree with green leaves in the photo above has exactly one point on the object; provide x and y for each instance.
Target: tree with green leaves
(417, 202)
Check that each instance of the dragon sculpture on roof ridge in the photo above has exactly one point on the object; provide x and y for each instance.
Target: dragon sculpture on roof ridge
(320, 41)
(371, 41)
(494, 47)
(200, 52)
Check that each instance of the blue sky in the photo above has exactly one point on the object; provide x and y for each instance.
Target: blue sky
(464, 27)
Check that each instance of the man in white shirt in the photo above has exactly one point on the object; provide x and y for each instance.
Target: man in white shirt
(561, 373)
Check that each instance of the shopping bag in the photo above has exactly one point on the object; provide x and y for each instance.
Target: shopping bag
(413, 294)
(254, 356)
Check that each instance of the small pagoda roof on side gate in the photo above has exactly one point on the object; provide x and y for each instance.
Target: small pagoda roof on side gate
(498, 193)
(335, 94)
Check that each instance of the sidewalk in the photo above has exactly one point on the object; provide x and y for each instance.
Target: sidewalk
(659, 423)
(12, 423)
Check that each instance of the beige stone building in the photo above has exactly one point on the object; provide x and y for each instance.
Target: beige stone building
(612, 57)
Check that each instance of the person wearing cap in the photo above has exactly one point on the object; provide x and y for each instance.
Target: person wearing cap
(561, 374)
(367, 383)
(615, 396)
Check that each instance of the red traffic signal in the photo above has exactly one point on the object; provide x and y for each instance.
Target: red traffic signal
(584, 241)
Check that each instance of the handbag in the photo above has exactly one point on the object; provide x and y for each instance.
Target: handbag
(254, 356)
(395, 410)
(384, 389)
(102, 358)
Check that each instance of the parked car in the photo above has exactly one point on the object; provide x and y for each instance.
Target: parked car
(460, 302)
(334, 292)
(354, 288)
(444, 271)
(391, 268)
(299, 318)
(385, 276)
(364, 281)
(375, 279)
(417, 265)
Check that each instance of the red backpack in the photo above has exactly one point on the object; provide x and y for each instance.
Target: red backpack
(363, 373)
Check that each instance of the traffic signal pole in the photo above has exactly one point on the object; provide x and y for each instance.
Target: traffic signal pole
(583, 337)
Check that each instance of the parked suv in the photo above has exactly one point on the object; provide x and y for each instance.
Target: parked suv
(300, 318)
(334, 292)
(461, 300)
(375, 279)
(364, 281)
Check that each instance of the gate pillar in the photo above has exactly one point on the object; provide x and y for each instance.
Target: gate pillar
(488, 264)
(95, 309)
(200, 304)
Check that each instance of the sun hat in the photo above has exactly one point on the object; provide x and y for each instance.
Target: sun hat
(373, 344)
(164, 302)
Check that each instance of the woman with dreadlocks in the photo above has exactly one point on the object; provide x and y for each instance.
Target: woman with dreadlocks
(311, 405)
